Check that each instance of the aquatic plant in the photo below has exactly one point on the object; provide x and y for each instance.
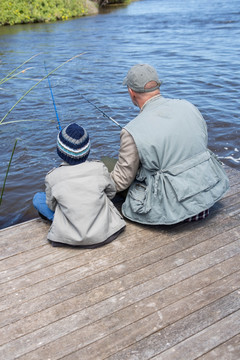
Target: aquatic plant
(10, 75)
(24, 11)
(9, 164)
(28, 91)
(2, 122)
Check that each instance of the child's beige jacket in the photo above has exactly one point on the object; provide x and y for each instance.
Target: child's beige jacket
(80, 196)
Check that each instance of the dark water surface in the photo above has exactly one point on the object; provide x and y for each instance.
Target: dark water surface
(195, 46)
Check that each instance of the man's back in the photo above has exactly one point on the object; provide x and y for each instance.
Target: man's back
(178, 177)
(175, 128)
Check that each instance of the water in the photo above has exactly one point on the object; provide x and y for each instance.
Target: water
(195, 46)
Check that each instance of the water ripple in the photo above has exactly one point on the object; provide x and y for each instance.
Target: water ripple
(194, 45)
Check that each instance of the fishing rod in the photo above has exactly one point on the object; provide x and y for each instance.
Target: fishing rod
(96, 107)
(55, 108)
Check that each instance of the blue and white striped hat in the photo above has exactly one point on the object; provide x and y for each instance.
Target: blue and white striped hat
(73, 144)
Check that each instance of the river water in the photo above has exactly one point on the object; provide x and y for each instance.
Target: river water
(194, 45)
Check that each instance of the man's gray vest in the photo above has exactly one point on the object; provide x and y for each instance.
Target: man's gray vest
(178, 177)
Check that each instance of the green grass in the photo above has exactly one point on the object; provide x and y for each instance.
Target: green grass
(29, 11)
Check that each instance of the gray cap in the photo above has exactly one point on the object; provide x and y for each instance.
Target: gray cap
(139, 75)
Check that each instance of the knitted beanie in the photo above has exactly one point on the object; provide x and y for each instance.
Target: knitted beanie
(73, 144)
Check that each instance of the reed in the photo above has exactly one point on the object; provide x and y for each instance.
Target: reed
(2, 122)
(14, 76)
(28, 91)
(6, 175)
(8, 77)
(25, 120)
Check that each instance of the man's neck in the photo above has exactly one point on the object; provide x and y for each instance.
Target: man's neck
(148, 100)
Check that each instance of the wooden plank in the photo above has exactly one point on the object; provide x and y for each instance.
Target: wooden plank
(233, 174)
(22, 258)
(28, 233)
(205, 340)
(54, 257)
(12, 247)
(73, 261)
(29, 260)
(234, 189)
(229, 350)
(116, 302)
(180, 330)
(149, 336)
(122, 299)
(56, 293)
(45, 317)
(229, 200)
(31, 235)
(157, 311)
(32, 227)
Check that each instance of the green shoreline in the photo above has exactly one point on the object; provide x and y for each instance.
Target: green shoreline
(24, 11)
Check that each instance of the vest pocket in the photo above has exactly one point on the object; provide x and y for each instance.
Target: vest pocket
(138, 196)
(194, 180)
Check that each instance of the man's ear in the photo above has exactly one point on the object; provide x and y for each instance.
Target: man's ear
(133, 96)
(130, 91)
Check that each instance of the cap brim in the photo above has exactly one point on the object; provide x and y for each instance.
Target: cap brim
(124, 81)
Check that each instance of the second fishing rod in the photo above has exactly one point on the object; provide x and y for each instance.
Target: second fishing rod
(96, 107)
(86, 99)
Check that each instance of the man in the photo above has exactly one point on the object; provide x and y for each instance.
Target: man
(163, 157)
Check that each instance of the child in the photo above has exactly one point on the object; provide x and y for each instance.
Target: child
(78, 193)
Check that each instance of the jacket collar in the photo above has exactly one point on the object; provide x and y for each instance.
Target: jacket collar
(150, 100)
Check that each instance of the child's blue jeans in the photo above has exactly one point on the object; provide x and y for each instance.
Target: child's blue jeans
(39, 202)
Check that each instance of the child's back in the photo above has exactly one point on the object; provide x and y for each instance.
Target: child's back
(84, 214)
(78, 194)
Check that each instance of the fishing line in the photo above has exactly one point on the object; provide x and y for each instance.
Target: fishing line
(59, 126)
(96, 107)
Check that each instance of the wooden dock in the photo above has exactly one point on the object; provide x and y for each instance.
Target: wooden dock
(161, 293)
